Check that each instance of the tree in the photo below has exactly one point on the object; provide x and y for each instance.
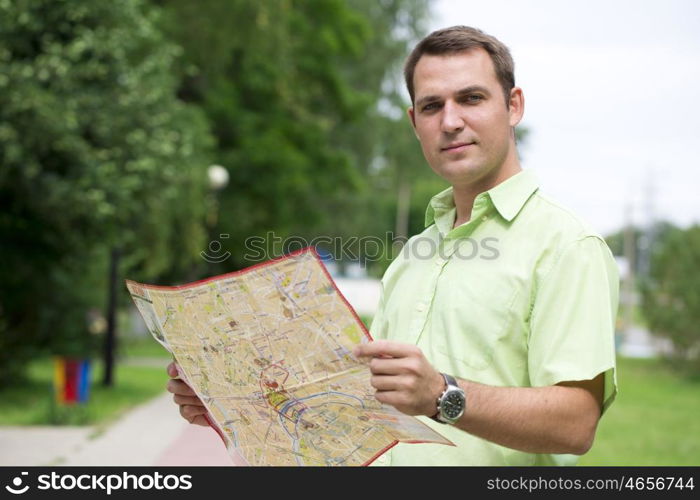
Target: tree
(96, 152)
(295, 106)
(671, 295)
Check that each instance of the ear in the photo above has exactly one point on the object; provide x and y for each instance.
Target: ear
(412, 116)
(516, 107)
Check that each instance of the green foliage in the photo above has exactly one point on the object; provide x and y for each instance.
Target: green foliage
(294, 95)
(671, 294)
(95, 151)
(104, 142)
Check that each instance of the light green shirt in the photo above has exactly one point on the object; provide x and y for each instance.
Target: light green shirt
(522, 295)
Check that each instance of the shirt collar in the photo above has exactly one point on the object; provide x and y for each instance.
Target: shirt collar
(508, 197)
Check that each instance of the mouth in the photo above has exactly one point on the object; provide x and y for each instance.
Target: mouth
(456, 147)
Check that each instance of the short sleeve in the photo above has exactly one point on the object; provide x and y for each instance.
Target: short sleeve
(572, 326)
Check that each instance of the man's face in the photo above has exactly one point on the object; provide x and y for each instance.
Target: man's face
(460, 116)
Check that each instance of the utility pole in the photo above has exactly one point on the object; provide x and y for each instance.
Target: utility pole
(629, 246)
(649, 227)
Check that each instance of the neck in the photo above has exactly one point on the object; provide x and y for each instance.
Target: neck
(465, 193)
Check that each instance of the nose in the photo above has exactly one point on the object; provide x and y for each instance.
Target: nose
(452, 120)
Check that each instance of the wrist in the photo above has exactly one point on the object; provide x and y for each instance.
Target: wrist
(439, 386)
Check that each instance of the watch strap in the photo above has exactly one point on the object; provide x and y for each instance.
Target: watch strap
(449, 380)
(437, 401)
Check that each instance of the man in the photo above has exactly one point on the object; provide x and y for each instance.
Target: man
(496, 323)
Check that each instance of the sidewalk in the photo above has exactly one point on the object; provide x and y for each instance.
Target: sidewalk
(151, 434)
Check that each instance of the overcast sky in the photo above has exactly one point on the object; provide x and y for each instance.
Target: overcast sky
(612, 100)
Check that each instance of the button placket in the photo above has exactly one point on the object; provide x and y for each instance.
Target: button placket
(422, 308)
(445, 249)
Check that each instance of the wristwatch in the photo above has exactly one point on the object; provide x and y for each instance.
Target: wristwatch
(451, 403)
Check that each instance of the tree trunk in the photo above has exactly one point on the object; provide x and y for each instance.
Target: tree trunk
(111, 337)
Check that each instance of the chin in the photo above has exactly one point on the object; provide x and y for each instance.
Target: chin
(456, 174)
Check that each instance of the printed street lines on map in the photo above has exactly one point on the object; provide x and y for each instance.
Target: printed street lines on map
(269, 351)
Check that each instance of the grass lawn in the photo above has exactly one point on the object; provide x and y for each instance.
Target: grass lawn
(655, 419)
(142, 347)
(31, 403)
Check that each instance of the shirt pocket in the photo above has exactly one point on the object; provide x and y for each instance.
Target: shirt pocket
(470, 315)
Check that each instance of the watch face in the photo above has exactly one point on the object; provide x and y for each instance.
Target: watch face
(452, 405)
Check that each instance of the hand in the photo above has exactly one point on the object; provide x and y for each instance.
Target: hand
(403, 376)
(191, 407)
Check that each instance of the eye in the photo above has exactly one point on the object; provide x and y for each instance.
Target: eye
(431, 106)
(474, 98)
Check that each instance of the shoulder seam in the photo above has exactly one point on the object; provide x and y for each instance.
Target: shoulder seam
(583, 226)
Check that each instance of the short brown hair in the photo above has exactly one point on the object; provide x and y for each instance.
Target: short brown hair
(458, 39)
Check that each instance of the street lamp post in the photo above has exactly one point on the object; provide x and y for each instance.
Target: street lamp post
(218, 179)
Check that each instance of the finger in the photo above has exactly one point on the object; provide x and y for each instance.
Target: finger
(391, 398)
(187, 400)
(200, 420)
(387, 383)
(388, 366)
(385, 348)
(172, 370)
(190, 412)
(179, 387)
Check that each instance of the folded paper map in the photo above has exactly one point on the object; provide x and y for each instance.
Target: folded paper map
(268, 349)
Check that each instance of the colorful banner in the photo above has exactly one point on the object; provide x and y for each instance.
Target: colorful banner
(71, 380)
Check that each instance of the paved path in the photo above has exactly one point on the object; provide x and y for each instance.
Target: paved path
(40, 445)
(151, 434)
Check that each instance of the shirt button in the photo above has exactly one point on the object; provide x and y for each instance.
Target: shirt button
(484, 218)
(420, 307)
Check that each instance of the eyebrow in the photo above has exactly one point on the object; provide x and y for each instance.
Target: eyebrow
(466, 90)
